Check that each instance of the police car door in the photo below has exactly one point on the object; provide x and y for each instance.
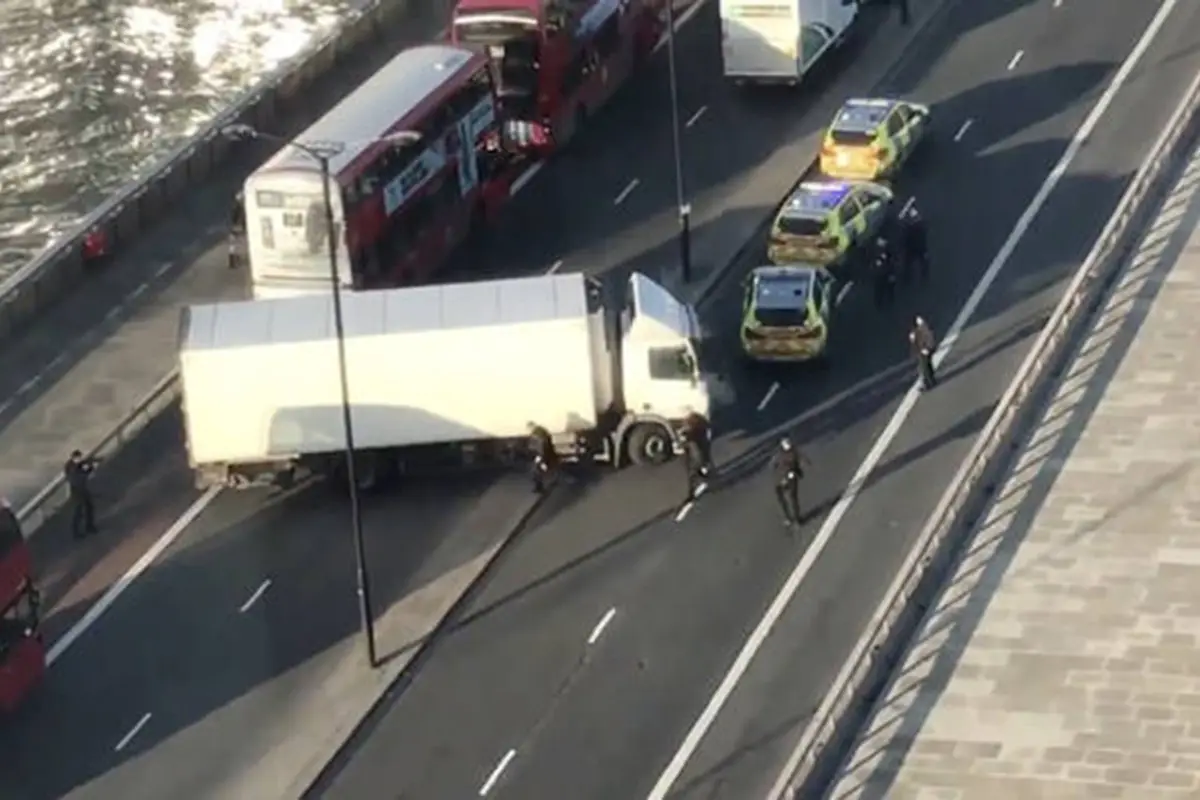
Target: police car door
(896, 137)
(852, 221)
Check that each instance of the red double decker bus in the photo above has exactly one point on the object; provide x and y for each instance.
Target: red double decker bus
(559, 60)
(22, 653)
(400, 204)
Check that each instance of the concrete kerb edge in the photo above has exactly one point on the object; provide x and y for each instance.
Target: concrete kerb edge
(34, 513)
(45, 279)
(713, 280)
(824, 745)
(317, 769)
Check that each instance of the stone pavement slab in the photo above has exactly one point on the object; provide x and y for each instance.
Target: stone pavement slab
(1062, 659)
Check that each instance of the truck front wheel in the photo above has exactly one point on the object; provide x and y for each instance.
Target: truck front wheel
(649, 444)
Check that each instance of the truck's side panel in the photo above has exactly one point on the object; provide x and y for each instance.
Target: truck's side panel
(425, 365)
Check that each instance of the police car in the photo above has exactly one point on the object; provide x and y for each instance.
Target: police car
(823, 222)
(871, 138)
(786, 313)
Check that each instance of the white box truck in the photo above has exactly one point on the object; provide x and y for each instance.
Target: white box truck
(438, 375)
(779, 41)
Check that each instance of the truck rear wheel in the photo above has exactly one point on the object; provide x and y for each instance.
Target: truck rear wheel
(649, 444)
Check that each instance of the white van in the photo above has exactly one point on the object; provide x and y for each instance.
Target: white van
(778, 41)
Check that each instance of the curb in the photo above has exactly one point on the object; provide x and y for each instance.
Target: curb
(319, 770)
(850, 700)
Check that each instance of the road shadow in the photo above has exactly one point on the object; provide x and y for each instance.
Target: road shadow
(194, 662)
(986, 557)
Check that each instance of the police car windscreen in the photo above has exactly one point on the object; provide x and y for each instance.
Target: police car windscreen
(801, 226)
(852, 138)
(782, 302)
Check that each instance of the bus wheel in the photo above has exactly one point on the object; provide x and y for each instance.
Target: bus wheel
(649, 444)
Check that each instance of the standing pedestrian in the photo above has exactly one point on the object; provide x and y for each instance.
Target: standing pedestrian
(237, 229)
(78, 474)
(697, 453)
(787, 469)
(883, 273)
(923, 345)
(545, 459)
(916, 244)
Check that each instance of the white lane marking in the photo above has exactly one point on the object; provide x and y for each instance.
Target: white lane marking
(1016, 60)
(138, 292)
(254, 598)
(6, 405)
(1057, 3)
(525, 177)
(767, 397)
(132, 574)
(555, 267)
(598, 631)
(29, 385)
(633, 184)
(163, 270)
(841, 295)
(692, 120)
(114, 312)
(492, 779)
(683, 512)
(127, 738)
(907, 205)
(680, 21)
(790, 586)
(966, 126)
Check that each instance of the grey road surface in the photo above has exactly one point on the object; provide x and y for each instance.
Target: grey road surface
(601, 720)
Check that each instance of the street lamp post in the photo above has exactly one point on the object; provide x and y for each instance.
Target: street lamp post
(322, 153)
(685, 209)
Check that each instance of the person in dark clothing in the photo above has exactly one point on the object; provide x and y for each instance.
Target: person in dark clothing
(697, 453)
(916, 245)
(902, 6)
(883, 273)
(787, 467)
(78, 474)
(237, 229)
(923, 345)
(545, 459)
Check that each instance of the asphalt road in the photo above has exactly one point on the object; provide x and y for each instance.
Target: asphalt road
(601, 720)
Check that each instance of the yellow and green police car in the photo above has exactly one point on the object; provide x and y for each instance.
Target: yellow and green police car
(823, 222)
(786, 313)
(871, 138)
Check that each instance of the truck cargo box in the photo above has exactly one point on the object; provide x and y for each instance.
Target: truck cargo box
(425, 365)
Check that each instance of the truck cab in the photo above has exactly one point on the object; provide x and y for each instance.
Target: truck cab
(22, 653)
(662, 375)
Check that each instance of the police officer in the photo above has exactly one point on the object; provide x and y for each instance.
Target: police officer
(787, 467)
(237, 229)
(78, 474)
(923, 345)
(545, 459)
(883, 272)
(916, 244)
(697, 452)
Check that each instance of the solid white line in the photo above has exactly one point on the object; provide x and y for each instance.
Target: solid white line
(790, 586)
(683, 512)
(598, 631)
(525, 177)
(254, 598)
(132, 574)
(841, 295)
(767, 397)
(966, 126)
(626, 192)
(695, 117)
(555, 267)
(490, 783)
(127, 738)
(1015, 60)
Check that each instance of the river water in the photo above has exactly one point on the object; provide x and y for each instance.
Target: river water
(93, 92)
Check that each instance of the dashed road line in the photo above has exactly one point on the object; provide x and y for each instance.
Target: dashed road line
(598, 631)
(134, 731)
(694, 118)
(767, 397)
(628, 190)
(494, 777)
(1016, 60)
(254, 598)
(962, 131)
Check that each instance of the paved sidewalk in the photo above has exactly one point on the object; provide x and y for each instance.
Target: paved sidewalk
(1063, 658)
